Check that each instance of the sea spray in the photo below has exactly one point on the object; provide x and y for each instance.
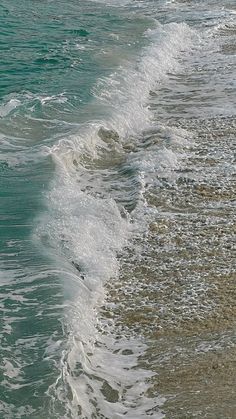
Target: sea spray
(87, 224)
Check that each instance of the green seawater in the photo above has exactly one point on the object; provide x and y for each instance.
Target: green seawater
(117, 209)
(52, 55)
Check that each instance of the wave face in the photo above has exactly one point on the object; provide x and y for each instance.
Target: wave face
(107, 187)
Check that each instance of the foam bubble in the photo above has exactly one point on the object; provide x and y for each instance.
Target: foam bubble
(126, 91)
(8, 107)
(85, 228)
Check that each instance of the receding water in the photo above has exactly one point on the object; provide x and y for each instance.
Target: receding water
(117, 209)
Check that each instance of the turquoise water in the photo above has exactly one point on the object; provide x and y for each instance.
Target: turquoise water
(105, 172)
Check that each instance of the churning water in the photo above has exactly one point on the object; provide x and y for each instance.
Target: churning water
(117, 209)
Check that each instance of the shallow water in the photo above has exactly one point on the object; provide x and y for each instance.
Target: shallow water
(117, 209)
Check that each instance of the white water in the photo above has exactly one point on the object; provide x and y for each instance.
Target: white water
(85, 227)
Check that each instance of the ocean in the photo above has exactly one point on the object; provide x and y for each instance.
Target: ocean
(117, 209)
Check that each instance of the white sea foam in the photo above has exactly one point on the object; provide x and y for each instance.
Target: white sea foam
(10, 370)
(111, 378)
(126, 92)
(114, 2)
(85, 229)
(28, 100)
(9, 106)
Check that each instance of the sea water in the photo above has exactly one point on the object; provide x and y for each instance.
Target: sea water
(117, 209)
